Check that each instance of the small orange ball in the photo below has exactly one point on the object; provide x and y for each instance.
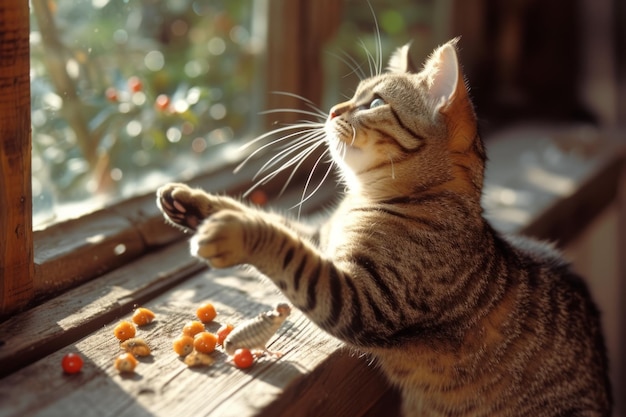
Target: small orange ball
(126, 362)
(204, 342)
(223, 332)
(183, 345)
(124, 330)
(192, 328)
(143, 316)
(243, 358)
(206, 313)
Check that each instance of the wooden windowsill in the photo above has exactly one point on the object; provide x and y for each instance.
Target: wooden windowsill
(316, 375)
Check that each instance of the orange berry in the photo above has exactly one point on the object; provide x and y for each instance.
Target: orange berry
(192, 328)
(134, 84)
(126, 362)
(183, 345)
(125, 330)
(206, 313)
(143, 316)
(162, 102)
(243, 358)
(204, 342)
(223, 332)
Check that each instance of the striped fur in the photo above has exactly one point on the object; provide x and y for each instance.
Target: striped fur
(466, 322)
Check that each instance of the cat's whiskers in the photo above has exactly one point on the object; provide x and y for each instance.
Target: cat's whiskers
(309, 138)
(371, 61)
(299, 127)
(393, 171)
(318, 112)
(296, 160)
(379, 44)
(351, 63)
(353, 135)
(305, 197)
(310, 135)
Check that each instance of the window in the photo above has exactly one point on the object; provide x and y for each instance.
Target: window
(91, 93)
(126, 95)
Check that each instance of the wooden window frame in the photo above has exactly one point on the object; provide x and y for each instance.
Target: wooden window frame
(16, 246)
(36, 265)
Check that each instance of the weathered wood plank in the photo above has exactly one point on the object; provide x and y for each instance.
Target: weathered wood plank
(67, 254)
(16, 242)
(164, 386)
(32, 334)
(344, 384)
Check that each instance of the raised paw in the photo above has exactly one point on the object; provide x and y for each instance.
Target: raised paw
(221, 239)
(183, 206)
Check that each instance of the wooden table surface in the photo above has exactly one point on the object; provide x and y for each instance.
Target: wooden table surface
(312, 368)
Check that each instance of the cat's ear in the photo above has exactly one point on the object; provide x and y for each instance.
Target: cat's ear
(400, 61)
(443, 75)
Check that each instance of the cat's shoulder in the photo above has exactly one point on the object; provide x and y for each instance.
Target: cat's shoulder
(549, 260)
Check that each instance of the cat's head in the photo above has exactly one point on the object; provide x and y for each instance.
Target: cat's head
(409, 130)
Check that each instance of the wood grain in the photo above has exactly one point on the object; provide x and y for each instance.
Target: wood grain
(16, 244)
(305, 379)
(41, 330)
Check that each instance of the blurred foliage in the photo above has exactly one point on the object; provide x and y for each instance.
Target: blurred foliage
(127, 94)
(129, 89)
(421, 22)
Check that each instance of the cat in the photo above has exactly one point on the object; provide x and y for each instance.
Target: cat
(465, 321)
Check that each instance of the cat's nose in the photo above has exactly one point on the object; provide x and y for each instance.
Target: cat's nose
(338, 110)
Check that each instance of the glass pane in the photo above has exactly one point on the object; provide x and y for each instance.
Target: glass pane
(128, 94)
(424, 23)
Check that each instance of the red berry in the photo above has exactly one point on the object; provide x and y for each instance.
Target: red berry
(259, 197)
(243, 358)
(111, 94)
(223, 332)
(134, 84)
(162, 102)
(72, 363)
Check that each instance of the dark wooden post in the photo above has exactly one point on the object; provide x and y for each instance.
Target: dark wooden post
(16, 237)
(299, 31)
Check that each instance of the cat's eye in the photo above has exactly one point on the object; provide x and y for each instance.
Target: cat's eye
(377, 102)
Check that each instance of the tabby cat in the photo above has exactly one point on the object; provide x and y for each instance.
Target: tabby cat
(464, 321)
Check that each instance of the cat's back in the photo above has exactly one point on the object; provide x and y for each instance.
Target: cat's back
(571, 360)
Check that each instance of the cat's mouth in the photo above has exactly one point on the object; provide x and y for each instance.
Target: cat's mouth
(342, 143)
(341, 132)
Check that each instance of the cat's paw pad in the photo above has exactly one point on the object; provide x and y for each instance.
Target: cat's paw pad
(220, 239)
(182, 205)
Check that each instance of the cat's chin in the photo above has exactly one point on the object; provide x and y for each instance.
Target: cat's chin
(352, 158)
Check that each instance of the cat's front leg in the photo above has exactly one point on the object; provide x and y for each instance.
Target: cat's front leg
(226, 238)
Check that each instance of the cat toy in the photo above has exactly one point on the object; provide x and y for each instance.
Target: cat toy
(254, 333)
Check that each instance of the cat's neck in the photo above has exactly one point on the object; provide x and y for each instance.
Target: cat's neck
(378, 189)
